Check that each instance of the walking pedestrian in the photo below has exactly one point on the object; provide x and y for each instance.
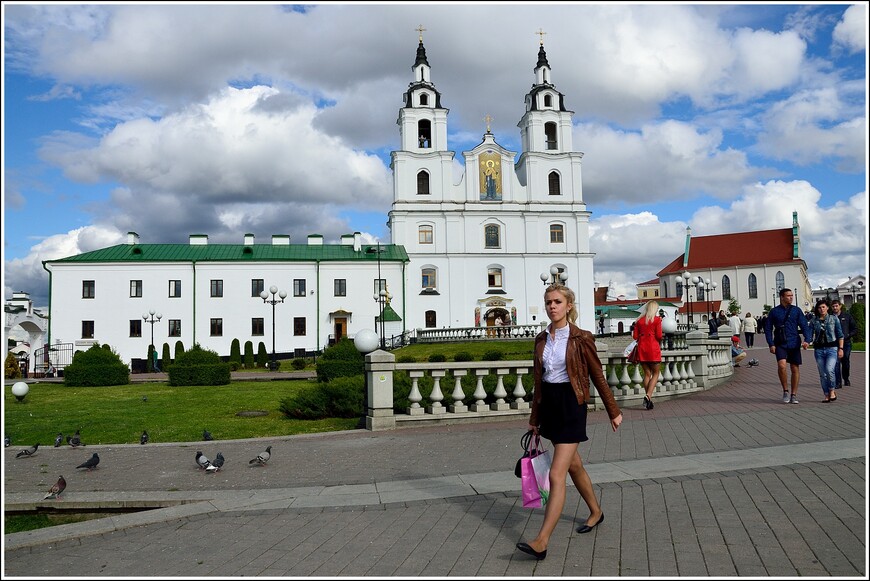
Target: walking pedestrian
(784, 326)
(648, 332)
(749, 327)
(850, 329)
(827, 347)
(565, 359)
(736, 325)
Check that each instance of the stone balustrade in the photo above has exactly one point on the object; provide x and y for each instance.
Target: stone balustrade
(699, 365)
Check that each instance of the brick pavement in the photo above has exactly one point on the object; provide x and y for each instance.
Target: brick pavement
(791, 518)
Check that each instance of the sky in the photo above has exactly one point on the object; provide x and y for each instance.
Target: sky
(226, 119)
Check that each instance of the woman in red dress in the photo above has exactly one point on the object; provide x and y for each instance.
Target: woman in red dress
(648, 332)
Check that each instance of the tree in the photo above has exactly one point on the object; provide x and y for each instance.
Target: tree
(249, 355)
(236, 353)
(179, 348)
(734, 307)
(262, 355)
(11, 369)
(167, 359)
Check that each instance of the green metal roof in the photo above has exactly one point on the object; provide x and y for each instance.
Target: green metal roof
(238, 252)
(389, 315)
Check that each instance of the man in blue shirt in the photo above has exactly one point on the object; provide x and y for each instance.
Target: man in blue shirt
(850, 329)
(783, 328)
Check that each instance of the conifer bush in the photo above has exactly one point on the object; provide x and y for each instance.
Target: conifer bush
(97, 366)
(199, 367)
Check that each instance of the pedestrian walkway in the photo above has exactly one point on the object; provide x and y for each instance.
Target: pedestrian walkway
(721, 483)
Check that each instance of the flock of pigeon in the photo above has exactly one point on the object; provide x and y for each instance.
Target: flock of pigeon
(203, 462)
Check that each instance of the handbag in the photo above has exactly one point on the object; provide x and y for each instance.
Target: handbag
(525, 440)
(630, 352)
(536, 476)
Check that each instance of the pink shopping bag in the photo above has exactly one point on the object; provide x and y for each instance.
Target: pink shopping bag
(535, 476)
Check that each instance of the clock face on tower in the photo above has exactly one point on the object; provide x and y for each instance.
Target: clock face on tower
(490, 176)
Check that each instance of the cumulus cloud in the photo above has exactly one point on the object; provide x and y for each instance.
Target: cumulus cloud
(851, 32)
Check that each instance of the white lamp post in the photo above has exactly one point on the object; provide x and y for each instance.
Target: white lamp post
(273, 301)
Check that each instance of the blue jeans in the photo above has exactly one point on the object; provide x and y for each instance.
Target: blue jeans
(841, 369)
(826, 360)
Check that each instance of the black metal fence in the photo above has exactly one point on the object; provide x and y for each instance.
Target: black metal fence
(50, 361)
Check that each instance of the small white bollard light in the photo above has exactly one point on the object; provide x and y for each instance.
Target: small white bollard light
(19, 390)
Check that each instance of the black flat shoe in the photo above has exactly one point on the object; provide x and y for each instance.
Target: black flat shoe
(648, 403)
(524, 547)
(586, 528)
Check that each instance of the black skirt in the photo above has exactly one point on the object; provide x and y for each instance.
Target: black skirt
(562, 419)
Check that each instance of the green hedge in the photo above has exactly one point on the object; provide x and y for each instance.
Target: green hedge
(199, 367)
(341, 398)
(97, 366)
(340, 360)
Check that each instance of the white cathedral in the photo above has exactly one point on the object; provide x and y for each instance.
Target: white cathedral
(465, 254)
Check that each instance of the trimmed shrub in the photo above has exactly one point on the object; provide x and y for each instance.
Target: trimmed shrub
(179, 348)
(437, 358)
(249, 355)
(298, 364)
(199, 367)
(149, 361)
(11, 369)
(463, 356)
(262, 355)
(340, 360)
(493, 356)
(406, 359)
(858, 313)
(340, 398)
(236, 352)
(96, 367)
(167, 357)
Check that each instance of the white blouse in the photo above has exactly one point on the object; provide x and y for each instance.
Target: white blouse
(554, 356)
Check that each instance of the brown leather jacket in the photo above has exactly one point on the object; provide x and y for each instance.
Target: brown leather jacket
(582, 362)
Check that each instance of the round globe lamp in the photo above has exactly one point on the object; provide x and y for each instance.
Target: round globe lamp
(19, 390)
(365, 341)
(669, 326)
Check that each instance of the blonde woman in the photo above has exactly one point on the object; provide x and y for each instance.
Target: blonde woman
(648, 332)
(565, 360)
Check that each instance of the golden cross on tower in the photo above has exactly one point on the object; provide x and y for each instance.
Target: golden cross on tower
(488, 120)
(421, 30)
(542, 33)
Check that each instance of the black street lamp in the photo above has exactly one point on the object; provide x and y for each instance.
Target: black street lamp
(383, 299)
(273, 301)
(152, 318)
(690, 281)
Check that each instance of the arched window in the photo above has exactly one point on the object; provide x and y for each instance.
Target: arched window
(557, 234)
(726, 287)
(701, 291)
(492, 236)
(425, 235)
(493, 277)
(753, 286)
(548, 100)
(550, 134)
(431, 320)
(780, 281)
(423, 183)
(424, 99)
(665, 288)
(679, 287)
(424, 133)
(555, 183)
(428, 280)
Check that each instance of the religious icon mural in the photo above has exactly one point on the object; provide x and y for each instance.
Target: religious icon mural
(490, 176)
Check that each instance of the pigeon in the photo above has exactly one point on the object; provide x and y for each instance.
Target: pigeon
(28, 452)
(7, 441)
(75, 440)
(753, 362)
(202, 460)
(58, 440)
(206, 435)
(54, 491)
(144, 398)
(90, 463)
(217, 464)
(262, 457)
(143, 439)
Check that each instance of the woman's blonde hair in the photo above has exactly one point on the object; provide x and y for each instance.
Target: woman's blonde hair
(650, 311)
(569, 296)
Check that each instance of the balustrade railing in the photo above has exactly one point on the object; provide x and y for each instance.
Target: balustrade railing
(699, 365)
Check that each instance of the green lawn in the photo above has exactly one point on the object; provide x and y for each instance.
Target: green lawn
(118, 414)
